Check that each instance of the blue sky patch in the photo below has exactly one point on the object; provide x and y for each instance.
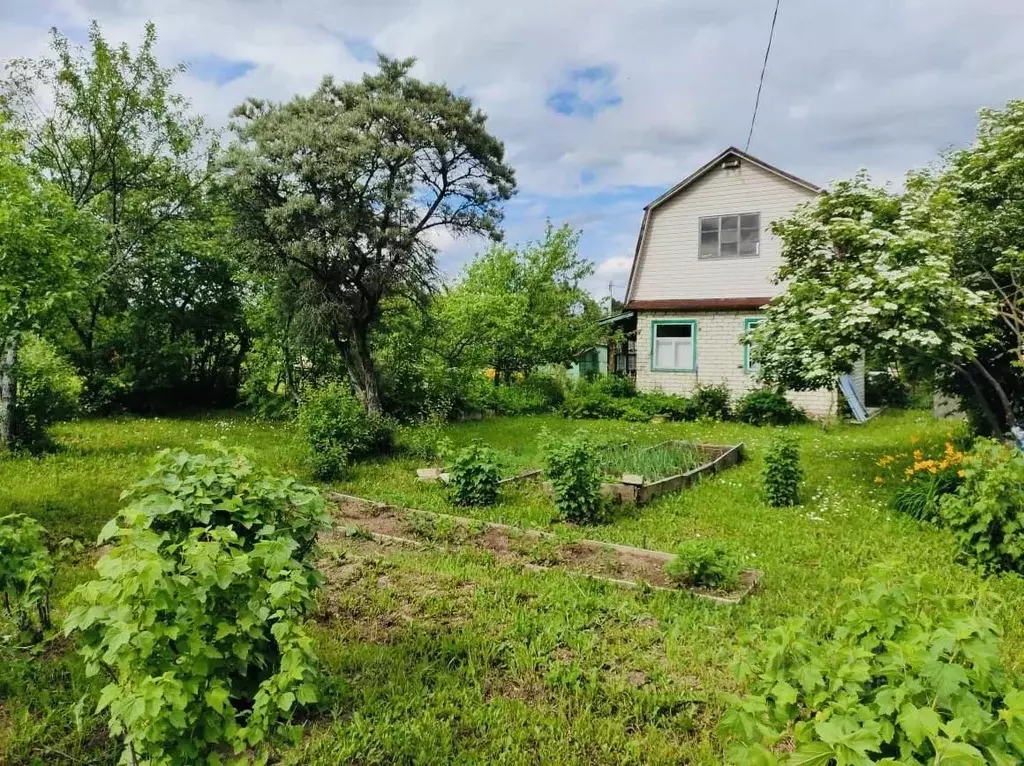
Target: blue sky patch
(585, 92)
(219, 70)
(360, 48)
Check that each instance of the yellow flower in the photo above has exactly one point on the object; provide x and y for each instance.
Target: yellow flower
(918, 455)
(961, 473)
(878, 480)
(913, 439)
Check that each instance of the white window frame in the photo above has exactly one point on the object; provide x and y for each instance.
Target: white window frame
(655, 324)
(739, 236)
(749, 324)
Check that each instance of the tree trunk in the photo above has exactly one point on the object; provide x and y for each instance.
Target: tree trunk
(359, 362)
(986, 409)
(1004, 400)
(8, 390)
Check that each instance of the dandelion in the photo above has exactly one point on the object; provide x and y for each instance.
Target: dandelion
(878, 480)
(914, 439)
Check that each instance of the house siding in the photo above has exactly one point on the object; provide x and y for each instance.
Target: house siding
(667, 264)
(719, 360)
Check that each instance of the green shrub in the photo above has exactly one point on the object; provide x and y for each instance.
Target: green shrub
(574, 470)
(537, 393)
(617, 386)
(48, 391)
(920, 495)
(782, 472)
(635, 414)
(670, 406)
(711, 402)
(765, 407)
(986, 514)
(26, 574)
(902, 675)
(336, 429)
(704, 564)
(593, 405)
(883, 389)
(474, 476)
(198, 610)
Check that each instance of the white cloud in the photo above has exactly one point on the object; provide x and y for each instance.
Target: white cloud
(884, 84)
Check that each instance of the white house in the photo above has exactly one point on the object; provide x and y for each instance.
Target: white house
(702, 274)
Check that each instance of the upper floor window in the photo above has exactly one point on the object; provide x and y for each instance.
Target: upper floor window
(730, 236)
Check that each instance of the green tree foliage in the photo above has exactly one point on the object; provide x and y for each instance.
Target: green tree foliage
(574, 470)
(930, 280)
(903, 674)
(517, 309)
(474, 475)
(782, 474)
(198, 609)
(343, 191)
(26, 573)
(44, 247)
(156, 317)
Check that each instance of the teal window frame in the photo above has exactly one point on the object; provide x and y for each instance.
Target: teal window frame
(748, 323)
(655, 323)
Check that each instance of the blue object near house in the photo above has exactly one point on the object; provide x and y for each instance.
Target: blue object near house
(849, 390)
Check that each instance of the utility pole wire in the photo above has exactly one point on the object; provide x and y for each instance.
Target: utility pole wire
(760, 83)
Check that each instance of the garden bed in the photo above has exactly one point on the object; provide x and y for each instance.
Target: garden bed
(432, 475)
(619, 564)
(648, 472)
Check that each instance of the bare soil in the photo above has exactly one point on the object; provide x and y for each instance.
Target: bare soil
(529, 548)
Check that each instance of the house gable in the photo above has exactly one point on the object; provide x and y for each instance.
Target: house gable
(666, 267)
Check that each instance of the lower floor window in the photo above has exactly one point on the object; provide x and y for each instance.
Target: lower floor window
(674, 345)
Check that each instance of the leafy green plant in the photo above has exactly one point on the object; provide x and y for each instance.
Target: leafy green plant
(198, 610)
(903, 675)
(26, 573)
(542, 551)
(48, 391)
(474, 475)
(704, 564)
(711, 402)
(986, 514)
(767, 407)
(782, 473)
(574, 469)
(336, 429)
(593, 405)
(920, 495)
(441, 529)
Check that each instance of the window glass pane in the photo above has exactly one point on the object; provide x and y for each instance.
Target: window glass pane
(708, 251)
(684, 354)
(664, 354)
(748, 248)
(709, 237)
(709, 224)
(750, 235)
(730, 223)
(729, 248)
(673, 330)
(752, 221)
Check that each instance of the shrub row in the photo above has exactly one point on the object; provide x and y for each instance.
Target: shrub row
(614, 397)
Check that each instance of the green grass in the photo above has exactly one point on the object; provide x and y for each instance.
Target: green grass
(445, 656)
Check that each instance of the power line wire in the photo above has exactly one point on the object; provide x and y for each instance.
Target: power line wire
(760, 83)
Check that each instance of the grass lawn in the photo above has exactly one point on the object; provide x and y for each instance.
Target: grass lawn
(445, 656)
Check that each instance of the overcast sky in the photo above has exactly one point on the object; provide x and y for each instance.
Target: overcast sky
(602, 104)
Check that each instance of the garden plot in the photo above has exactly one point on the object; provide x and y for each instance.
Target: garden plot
(620, 564)
(644, 473)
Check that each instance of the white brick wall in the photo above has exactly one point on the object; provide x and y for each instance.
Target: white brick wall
(719, 360)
